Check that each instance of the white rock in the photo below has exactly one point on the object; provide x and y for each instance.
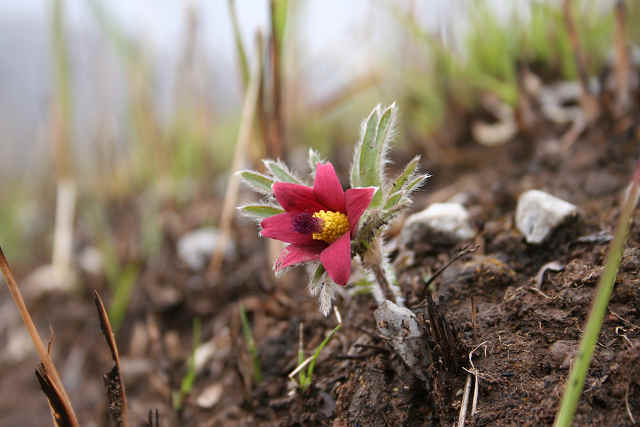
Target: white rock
(396, 322)
(203, 354)
(18, 346)
(195, 248)
(49, 279)
(90, 260)
(539, 213)
(400, 326)
(210, 396)
(446, 223)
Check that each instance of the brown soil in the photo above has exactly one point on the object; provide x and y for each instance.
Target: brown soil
(523, 336)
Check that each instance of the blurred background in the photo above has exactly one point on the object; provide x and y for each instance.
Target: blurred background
(121, 97)
(119, 119)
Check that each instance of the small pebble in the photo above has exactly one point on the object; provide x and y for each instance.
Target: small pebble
(538, 214)
(440, 223)
(195, 248)
(203, 354)
(210, 396)
(562, 351)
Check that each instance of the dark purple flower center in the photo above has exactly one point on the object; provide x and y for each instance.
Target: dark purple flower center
(306, 223)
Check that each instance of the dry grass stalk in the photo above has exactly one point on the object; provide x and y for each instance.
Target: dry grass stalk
(622, 64)
(588, 102)
(49, 372)
(61, 124)
(275, 138)
(63, 230)
(116, 393)
(462, 415)
(59, 411)
(231, 193)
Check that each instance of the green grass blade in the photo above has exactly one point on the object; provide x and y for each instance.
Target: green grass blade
(251, 346)
(312, 364)
(579, 369)
(279, 20)
(301, 376)
(190, 376)
(122, 295)
(240, 51)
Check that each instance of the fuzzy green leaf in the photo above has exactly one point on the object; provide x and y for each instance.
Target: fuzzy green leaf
(367, 139)
(368, 151)
(376, 199)
(280, 171)
(260, 211)
(314, 159)
(393, 199)
(317, 275)
(383, 138)
(417, 183)
(405, 176)
(257, 181)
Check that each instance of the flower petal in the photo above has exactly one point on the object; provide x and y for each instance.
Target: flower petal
(327, 187)
(296, 254)
(296, 197)
(336, 259)
(280, 227)
(357, 201)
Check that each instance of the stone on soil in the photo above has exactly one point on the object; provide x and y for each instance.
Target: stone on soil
(538, 214)
(440, 223)
(195, 248)
(210, 396)
(400, 326)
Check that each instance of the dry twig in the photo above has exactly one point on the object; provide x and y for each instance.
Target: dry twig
(622, 65)
(465, 402)
(231, 193)
(49, 372)
(588, 102)
(116, 393)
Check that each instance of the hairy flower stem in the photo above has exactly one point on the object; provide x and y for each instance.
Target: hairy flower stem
(374, 261)
(382, 281)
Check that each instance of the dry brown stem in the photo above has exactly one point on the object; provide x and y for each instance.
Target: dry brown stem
(116, 393)
(231, 193)
(588, 102)
(622, 65)
(59, 411)
(275, 137)
(45, 358)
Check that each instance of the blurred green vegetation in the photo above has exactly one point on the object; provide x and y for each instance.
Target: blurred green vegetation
(189, 378)
(492, 52)
(192, 148)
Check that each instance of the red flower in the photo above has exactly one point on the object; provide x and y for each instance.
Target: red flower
(318, 223)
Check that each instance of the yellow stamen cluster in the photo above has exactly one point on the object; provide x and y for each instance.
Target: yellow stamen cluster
(334, 225)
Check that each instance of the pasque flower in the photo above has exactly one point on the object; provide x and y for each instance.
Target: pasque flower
(318, 222)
